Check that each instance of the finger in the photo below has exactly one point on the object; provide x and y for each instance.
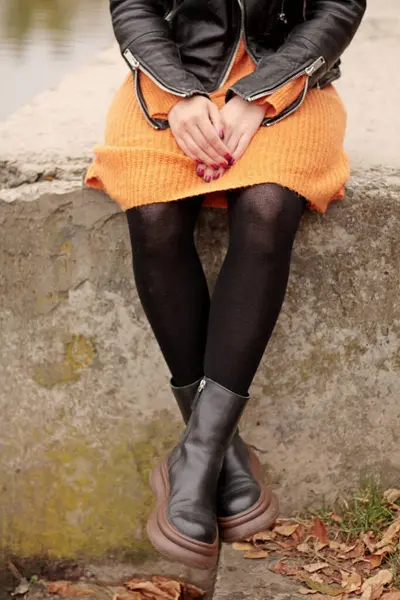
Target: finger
(209, 174)
(241, 147)
(216, 144)
(198, 152)
(185, 148)
(201, 169)
(216, 120)
(220, 173)
(214, 159)
(233, 143)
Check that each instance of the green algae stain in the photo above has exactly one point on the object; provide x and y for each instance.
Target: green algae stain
(83, 498)
(79, 353)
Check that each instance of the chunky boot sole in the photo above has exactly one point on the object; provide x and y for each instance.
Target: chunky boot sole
(258, 517)
(168, 540)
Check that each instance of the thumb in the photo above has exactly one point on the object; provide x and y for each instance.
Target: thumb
(216, 119)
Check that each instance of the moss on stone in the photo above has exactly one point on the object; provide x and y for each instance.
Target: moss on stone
(81, 500)
(79, 353)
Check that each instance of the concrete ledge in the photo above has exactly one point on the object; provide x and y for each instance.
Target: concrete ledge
(85, 403)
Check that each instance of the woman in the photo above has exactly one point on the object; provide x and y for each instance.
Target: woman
(229, 103)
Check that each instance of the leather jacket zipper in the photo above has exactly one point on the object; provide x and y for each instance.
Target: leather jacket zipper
(226, 74)
(309, 71)
(136, 65)
(142, 102)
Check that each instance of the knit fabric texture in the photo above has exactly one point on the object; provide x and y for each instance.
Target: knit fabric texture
(304, 152)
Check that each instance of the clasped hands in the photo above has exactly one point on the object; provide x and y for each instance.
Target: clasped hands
(215, 139)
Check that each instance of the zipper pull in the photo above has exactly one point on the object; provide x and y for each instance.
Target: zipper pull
(315, 66)
(201, 387)
(282, 17)
(134, 64)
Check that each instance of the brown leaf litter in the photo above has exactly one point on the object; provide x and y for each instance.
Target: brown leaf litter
(158, 588)
(329, 564)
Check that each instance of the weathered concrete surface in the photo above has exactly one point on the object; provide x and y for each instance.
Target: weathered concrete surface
(85, 409)
(240, 579)
(84, 401)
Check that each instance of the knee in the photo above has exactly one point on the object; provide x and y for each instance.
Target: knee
(153, 230)
(269, 219)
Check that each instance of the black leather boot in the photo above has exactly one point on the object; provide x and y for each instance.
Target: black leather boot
(184, 524)
(244, 505)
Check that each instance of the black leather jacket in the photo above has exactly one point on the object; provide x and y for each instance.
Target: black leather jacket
(188, 46)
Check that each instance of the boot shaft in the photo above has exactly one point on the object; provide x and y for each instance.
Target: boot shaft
(184, 397)
(216, 412)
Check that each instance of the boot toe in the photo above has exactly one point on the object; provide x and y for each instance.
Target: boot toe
(236, 502)
(195, 528)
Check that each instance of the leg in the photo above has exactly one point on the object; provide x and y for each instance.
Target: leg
(263, 222)
(249, 291)
(171, 283)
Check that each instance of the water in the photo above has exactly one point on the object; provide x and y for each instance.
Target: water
(41, 40)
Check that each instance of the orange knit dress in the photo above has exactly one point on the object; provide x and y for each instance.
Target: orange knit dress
(139, 165)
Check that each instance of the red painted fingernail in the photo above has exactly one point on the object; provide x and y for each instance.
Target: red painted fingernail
(199, 162)
(228, 157)
(231, 161)
(208, 179)
(214, 166)
(200, 172)
(222, 134)
(224, 165)
(217, 175)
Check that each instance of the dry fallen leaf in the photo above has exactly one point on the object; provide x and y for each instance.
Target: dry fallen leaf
(367, 594)
(160, 588)
(263, 536)
(391, 495)
(351, 582)
(128, 596)
(284, 568)
(242, 546)
(322, 588)
(304, 548)
(357, 551)
(286, 530)
(319, 531)
(394, 595)
(369, 541)
(191, 592)
(377, 592)
(314, 567)
(318, 546)
(375, 560)
(386, 550)
(256, 554)
(391, 533)
(336, 518)
(333, 545)
(22, 588)
(384, 577)
(64, 588)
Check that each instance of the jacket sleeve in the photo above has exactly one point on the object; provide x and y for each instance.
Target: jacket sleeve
(143, 34)
(311, 48)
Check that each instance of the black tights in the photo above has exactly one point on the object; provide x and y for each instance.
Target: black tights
(224, 340)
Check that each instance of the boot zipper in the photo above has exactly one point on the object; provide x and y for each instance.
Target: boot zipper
(201, 387)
